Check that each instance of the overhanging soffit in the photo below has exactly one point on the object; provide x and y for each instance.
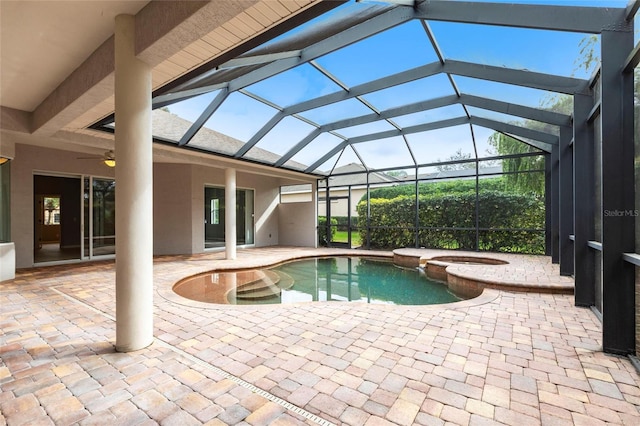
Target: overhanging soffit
(163, 30)
(92, 82)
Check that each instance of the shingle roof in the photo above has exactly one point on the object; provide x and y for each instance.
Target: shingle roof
(171, 127)
(355, 174)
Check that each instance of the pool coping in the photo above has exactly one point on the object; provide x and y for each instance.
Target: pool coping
(167, 293)
(487, 296)
(470, 279)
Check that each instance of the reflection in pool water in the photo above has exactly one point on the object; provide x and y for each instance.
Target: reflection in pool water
(320, 279)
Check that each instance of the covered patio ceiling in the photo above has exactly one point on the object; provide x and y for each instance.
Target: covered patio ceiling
(389, 85)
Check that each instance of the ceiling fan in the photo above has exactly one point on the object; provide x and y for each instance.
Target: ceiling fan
(108, 158)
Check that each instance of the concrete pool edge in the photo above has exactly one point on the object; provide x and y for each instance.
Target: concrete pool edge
(169, 294)
(501, 271)
(487, 296)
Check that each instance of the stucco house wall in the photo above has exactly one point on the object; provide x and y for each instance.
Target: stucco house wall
(298, 221)
(179, 206)
(340, 207)
(173, 209)
(30, 160)
(178, 201)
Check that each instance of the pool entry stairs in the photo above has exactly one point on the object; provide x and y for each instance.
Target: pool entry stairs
(264, 288)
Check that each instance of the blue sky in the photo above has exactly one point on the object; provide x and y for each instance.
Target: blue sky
(393, 51)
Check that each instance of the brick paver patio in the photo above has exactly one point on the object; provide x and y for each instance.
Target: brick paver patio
(504, 358)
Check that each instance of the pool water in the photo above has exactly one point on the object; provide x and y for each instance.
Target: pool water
(343, 279)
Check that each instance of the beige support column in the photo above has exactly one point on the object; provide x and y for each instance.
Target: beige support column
(134, 190)
(230, 213)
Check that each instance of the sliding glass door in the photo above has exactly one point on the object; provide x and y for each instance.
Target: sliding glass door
(214, 217)
(99, 217)
(57, 217)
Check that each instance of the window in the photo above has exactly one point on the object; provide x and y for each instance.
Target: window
(215, 211)
(51, 210)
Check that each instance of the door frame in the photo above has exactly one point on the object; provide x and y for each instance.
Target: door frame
(330, 242)
(81, 177)
(89, 217)
(247, 217)
(36, 215)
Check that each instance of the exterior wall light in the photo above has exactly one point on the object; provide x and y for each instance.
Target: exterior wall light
(109, 159)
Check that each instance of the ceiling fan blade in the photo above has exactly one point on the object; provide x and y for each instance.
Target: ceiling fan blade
(108, 155)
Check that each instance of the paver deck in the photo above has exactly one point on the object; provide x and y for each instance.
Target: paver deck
(520, 273)
(504, 358)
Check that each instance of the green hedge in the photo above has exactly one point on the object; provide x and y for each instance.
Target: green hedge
(440, 188)
(322, 230)
(343, 222)
(392, 222)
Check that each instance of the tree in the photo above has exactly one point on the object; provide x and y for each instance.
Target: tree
(533, 183)
(519, 176)
(51, 205)
(458, 156)
(398, 174)
(588, 55)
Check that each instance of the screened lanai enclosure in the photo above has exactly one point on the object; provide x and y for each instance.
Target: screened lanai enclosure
(453, 124)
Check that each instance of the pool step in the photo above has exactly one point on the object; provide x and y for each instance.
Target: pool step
(266, 293)
(269, 285)
(267, 279)
(286, 281)
(256, 286)
(264, 287)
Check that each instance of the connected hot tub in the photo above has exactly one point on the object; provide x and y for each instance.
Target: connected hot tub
(436, 266)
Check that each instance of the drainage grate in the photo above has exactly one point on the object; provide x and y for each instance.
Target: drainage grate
(247, 385)
(286, 405)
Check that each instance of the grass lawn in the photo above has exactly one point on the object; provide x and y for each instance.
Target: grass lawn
(343, 237)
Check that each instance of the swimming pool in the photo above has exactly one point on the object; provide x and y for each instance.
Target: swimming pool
(360, 279)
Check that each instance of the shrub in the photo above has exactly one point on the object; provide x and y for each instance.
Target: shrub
(322, 230)
(506, 221)
(456, 186)
(343, 222)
